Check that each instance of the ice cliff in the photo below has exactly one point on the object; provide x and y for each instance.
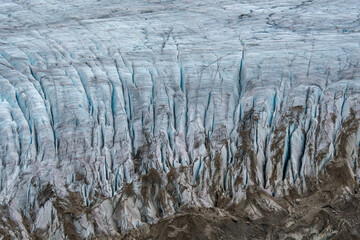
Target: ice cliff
(115, 114)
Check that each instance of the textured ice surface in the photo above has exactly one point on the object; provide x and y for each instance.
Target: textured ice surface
(114, 114)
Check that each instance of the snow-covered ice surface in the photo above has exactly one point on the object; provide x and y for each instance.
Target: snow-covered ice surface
(116, 113)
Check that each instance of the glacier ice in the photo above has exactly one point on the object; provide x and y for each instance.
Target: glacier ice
(115, 115)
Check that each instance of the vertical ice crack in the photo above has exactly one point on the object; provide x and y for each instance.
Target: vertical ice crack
(187, 123)
(174, 114)
(113, 111)
(241, 73)
(343, 103)
(240, 83)
(307, 100)
(341, 113)
(287, 158)
(266, 145)
(197, 166)
(152, 101)
(206, 110)
(84, 82)
(311, 55)
(127, 107)
(273, 109)
(181, 80)
(133, 75)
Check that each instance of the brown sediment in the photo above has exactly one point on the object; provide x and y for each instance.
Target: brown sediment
(149, 182)
(67, 211)
(348, 128)
(45, 195)
(128, 189)
(330, 212)
(277, 147)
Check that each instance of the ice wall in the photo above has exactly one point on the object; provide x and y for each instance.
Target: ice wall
(113, 114)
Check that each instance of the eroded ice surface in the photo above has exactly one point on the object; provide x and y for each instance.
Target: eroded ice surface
(114, 114)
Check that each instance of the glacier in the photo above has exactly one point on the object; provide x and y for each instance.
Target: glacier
(116, 114)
